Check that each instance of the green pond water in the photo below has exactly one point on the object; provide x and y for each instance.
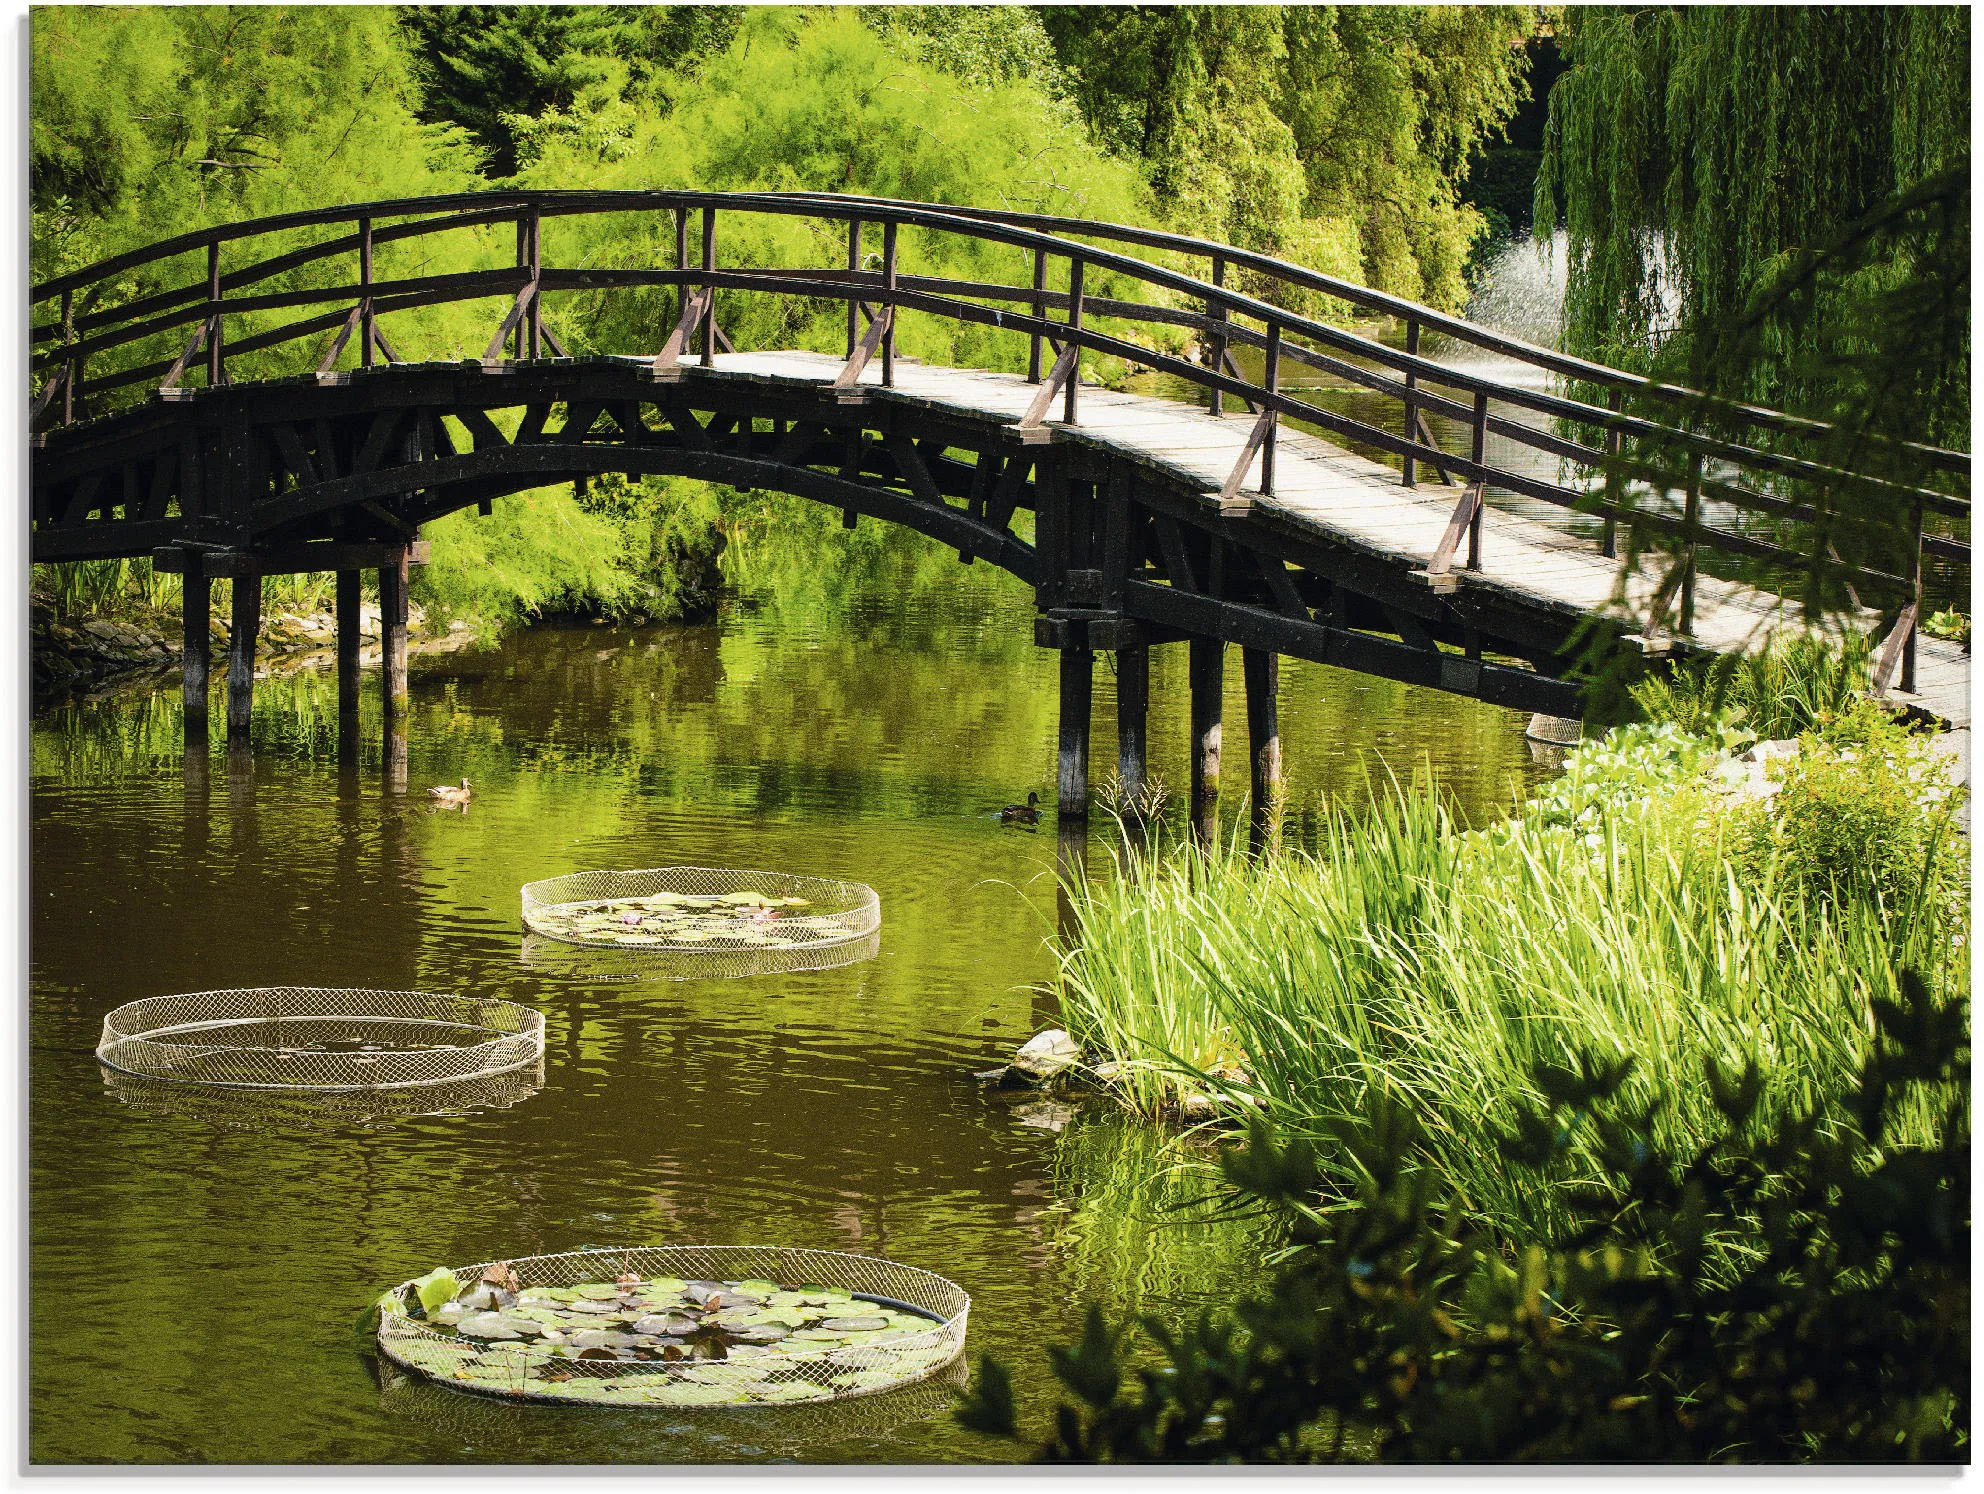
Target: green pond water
(196, 1274)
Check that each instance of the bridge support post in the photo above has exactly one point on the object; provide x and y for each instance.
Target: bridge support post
(350, 630)
(196, 648)
(244, 627)
(1262, 670)
(1132, 713)
(1208, 685)
(1077, 689)
(392, 647)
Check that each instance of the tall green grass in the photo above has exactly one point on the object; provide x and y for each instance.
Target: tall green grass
(1792, 685)
(1443, 967)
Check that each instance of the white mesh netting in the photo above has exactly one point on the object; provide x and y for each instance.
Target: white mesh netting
(261, 1109)
(744, 1286)
(554, 957)
(312, 1038)
(513, 1424)
(701, 922)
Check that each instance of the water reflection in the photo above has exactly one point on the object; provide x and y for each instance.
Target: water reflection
(322, 1110)
(487, 1429)
(555, 957)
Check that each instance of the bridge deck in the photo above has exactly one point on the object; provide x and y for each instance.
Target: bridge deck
(1351, 500)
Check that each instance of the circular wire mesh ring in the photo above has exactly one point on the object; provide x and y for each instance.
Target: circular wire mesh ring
(709, 919)
(313, 1038)
(793, 1371)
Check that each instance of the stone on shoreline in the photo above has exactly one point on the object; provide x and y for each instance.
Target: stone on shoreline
(1047, 1053)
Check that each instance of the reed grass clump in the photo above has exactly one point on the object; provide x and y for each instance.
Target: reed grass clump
(1409, 957)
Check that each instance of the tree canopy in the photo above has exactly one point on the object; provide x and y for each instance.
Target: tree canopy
(1332, 134)
(1703, 157)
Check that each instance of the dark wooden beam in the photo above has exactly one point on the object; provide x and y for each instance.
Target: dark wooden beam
(392, 631)
(350, 629)
(1208, 685)
(1132, 714)
(245, 626)
(392, 646)
(1077, 688)
(1262, 670)
(196, 641)
(290, 560)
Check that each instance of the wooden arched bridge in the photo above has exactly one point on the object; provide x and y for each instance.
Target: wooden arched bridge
(1152, 520)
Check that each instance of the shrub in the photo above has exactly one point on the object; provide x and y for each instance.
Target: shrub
(1863, 810)
(1796, 1291)
(1789, 687)
(1628, 768)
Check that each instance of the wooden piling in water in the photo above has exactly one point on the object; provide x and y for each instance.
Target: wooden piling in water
(1132, 714)
(350, 632)
(244, 627)
(1261, 669)
(392, 648)
(1208, 686)
(196, 649)
(1077, 688)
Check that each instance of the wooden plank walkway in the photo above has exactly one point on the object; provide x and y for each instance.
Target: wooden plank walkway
(1350, 500)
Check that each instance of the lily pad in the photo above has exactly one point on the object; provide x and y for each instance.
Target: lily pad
(673, 1324)
(791, 1390)
(435, 1288)
(855, 1325)
(489, 1325)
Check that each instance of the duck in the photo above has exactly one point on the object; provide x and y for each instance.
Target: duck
(449, 793)
(1022, 814)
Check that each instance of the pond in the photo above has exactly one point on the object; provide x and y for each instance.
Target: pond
(197, 1274)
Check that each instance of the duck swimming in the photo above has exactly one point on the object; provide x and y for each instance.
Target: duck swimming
(449, 793)
(1022, 814)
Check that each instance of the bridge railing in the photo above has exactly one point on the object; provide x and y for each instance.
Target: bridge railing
(1629, 457)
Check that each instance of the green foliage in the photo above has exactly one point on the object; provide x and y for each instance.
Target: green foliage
(814, 100)
(1862, 811)
(1950, 625)
(1692, 150)
(976, 43)
(538, 552)
(1629, 769)
(1793, 685)
(1795, 1288)
(1443, 967)
(486, 68)
(148, 121)
(1334, 135)
(1772, 204)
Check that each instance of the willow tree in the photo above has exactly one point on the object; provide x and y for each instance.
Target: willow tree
(1772, 204)
(1769, 168)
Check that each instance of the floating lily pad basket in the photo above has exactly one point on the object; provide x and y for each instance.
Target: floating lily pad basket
(514, 1425)
(260, 1109)
(678, 1326)
(307, 1038)
(702, 922)
(556, 958)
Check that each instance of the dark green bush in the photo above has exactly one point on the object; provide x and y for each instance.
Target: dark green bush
(1785, 1294)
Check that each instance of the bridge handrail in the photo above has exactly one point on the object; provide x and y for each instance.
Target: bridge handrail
(495, 207)
(1046, 236)
(1486, 339)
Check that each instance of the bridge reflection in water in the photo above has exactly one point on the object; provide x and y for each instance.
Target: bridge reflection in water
(1137, 521)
